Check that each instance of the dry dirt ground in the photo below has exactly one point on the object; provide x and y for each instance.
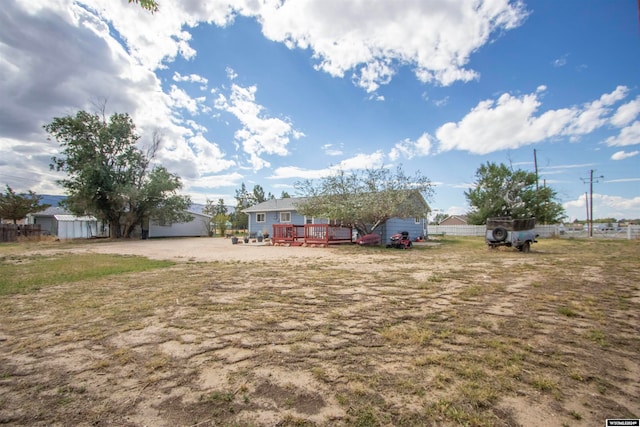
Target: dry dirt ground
(253, 335)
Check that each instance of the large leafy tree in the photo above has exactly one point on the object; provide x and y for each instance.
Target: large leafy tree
(110, 177)
(502, 191)
(366, 199)
(16, 206)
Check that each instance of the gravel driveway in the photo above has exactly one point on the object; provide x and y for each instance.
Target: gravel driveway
(204, 249)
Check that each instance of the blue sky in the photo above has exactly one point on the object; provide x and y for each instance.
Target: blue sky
(273, 92)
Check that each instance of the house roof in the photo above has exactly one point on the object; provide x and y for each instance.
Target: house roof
(289, 204)
(461, 218)
(272, 205)
(74, 218)
(51, 211)
(196, 213)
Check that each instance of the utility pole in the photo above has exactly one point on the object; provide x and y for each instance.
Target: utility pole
(535, 165)
(586, 202)
(590, 208)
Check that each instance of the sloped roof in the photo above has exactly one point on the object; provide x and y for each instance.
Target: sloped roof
(74, 218)
(290, 204)
(272, 205)
(460, 218)
(51, 211)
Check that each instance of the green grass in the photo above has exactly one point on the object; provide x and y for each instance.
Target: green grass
(28, 274)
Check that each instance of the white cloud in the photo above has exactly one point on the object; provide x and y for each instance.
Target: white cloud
(629, 135)
(621, 155)
(288, 172)
(181, 99)
(215, 181)
(562, 61)
(231, 74)
(441, 102)
(511, 122)
(330, 150)
(626, 113)
(195, 126)
(259, 134)
(595, 114)
(88, 63)
(410, 149)
(209, 158)
(360, 161)
(191, 78)
(623, 180)
(368, 38)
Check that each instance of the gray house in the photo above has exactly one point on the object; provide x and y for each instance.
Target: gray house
(264, 215)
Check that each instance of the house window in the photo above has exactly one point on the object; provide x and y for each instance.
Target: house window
(285, 216)
(261, 217)
(308, 219)
(417, 220)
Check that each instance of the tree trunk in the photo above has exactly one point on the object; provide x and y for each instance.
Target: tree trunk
(115, 230)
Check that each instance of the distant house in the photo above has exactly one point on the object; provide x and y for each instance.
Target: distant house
(264, 215)
(56, 221)
(455, 220)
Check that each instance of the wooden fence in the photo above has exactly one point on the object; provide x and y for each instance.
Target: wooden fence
(11, 232)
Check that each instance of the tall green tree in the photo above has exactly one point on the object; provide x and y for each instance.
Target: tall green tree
(258, 195)
(244, 199)
(16, 206)
(221, 208)
(502, 191)
(366, 199)
(109, 177)
(209, 208)
(219, 215)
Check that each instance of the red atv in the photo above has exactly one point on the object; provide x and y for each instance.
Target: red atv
(400, 241)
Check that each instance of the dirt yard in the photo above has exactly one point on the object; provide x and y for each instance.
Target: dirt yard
(445, 334)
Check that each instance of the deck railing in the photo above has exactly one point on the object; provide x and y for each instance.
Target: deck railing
(288, 233)
(323, 234)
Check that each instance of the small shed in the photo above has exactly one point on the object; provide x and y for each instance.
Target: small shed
(61, 223)
(76, 227)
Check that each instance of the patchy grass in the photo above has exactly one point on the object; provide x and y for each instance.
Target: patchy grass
(442, 335)
(28, 273)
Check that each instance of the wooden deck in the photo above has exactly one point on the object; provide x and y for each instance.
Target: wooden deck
(311, 234)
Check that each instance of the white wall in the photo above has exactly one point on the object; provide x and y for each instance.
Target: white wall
(194, 228)
(77, 229)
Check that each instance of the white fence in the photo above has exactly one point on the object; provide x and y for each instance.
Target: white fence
(557, 230)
